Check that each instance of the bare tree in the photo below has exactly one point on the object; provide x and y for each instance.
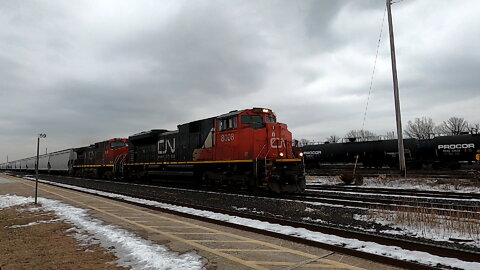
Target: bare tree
(420, 128)
(390, 135)
(303, 142)
(475, 128)
(361, 135)
(454, 126)
(332, 139)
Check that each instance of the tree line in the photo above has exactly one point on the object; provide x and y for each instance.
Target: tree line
(419, 128)
(425, 128)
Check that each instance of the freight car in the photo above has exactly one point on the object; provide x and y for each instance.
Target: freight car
(439, 152)
(54, 163)
(246, 148)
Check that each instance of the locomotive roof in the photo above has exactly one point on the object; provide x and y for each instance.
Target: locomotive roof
(150, 133)
(231, 113)
(235, 112)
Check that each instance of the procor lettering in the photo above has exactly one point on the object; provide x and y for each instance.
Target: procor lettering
(164, 145)
(312, 153)
(456, 146)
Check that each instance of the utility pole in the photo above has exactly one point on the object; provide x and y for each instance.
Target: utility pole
(401, 153)
(36, 165)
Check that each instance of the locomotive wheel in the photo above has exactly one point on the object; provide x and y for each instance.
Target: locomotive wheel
(274, 187)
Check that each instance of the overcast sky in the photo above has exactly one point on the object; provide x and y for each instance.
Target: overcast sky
(88, 70)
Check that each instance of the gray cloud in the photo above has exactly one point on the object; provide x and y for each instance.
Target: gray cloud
(203, 49)
(89, 70)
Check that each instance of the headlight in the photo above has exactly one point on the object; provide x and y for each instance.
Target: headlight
(301, 154)
(281, 154)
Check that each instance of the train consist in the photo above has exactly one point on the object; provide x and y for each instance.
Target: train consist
(439, 152)
(246, 148)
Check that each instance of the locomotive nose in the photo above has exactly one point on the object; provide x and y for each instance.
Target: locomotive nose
(279, 138)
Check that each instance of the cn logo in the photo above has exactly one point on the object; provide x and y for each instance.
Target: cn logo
(164, 145)
(277, 143)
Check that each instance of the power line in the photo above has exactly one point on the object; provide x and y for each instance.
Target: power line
(374, 66)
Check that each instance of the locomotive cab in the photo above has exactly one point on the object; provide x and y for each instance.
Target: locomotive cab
(102, 159)
(252, 134)
(255, 136)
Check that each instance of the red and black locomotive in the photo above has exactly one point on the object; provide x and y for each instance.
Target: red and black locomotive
(101, 160)
(246, 148)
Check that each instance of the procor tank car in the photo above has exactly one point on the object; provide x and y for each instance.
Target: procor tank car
(439, 152)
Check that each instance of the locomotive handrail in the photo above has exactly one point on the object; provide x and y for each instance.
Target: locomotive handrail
(256, 160)
(266, 155)
(118, 162)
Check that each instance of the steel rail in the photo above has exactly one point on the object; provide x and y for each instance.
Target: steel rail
(389, 204)
(397, 191)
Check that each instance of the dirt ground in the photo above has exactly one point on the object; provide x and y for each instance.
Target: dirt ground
(46, 245)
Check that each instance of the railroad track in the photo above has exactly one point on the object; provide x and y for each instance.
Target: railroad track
(180, 197)
(393, 198)
(333, 170)
(397, 191)
(441, 208)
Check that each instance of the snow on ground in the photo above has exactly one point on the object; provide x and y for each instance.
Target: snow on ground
(424, 184)
(130, 249)
(390, 251)
(34, 223)
(421, 225)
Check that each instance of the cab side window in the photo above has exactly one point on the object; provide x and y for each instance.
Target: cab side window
(227, 123)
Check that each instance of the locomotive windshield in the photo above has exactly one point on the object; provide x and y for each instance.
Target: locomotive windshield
(252, 119)
(271, 119)
(116, 145)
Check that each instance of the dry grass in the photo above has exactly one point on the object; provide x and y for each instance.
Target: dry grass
(46, 245)
(449, 184)
(449, 224)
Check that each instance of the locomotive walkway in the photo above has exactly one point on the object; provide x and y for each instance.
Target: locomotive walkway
(222, 247)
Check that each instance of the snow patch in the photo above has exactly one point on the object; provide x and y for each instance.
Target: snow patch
(33, 223)
(130, 249)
